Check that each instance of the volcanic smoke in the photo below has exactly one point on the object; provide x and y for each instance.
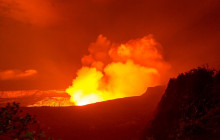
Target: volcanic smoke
(113, 70)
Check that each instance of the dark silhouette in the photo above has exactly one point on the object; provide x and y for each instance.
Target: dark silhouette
(189, 109)
(118, 119)
(15, 125)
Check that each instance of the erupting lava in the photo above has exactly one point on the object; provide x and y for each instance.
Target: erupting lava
(113, 71)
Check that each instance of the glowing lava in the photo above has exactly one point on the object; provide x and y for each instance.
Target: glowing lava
(113, 71)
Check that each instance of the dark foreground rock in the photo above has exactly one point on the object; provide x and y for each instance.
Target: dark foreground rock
(120, 119)
(189, 109)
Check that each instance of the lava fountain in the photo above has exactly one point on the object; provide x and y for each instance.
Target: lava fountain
(113, 70)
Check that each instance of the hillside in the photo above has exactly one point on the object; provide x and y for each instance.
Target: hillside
(189, 109)
(115, 119)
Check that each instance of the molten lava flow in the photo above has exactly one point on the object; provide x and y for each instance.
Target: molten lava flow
(33, 98)
(113, 71)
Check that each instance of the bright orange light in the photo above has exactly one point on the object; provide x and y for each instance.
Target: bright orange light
(33, 98)
(112, 71)
(85, 89)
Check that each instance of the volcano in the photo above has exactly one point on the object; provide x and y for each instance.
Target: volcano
(117, 119)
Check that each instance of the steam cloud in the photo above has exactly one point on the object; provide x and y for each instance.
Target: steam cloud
(112, 71)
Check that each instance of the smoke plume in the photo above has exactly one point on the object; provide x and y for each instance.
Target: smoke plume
(113, 70)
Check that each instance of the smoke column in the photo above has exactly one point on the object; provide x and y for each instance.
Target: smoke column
(113, 71)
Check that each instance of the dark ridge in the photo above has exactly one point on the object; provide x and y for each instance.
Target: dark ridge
(117, 119)
(189, 109)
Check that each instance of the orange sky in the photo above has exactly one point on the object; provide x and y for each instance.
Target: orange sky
(42, 41)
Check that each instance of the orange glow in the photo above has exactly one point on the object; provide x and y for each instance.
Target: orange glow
(115, 71)
(29, 11)
(33, 98)
(52, 102)
(16, 74)
(85, 89)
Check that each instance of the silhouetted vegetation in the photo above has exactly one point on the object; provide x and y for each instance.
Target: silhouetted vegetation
(189, 109)
(17, 126)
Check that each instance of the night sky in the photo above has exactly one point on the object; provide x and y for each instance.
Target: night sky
(42, 41)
